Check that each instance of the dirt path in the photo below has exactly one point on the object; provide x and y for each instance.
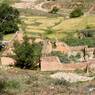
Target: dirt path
(39, 7)
(91, 9)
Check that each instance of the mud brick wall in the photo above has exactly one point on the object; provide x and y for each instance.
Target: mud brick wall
(53, 64)
(5, 61)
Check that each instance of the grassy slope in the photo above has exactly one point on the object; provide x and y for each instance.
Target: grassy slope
(28, 82)
(37, 24)
(64, 25)
(58, 24)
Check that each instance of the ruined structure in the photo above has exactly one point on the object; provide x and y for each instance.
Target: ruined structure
(47, 47)
(52, 63)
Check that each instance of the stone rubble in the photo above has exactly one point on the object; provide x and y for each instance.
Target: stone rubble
(71, 77)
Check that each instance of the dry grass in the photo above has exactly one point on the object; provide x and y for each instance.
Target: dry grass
(77, 23)
(38, 24)
(39, 83)
(8, 37)
(64, 25)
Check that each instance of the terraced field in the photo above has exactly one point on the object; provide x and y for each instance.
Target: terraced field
(39, 24)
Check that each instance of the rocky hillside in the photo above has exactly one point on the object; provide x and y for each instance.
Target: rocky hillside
(42, 7)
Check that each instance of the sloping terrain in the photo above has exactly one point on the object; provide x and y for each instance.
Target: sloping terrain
(27, 82)
(65, 6)
(39, 24)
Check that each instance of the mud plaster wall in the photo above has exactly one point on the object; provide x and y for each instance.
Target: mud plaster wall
(53, 64)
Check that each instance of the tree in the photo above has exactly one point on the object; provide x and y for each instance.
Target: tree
(76, 13)
(27, 55)
(9, 19)
(6, 1)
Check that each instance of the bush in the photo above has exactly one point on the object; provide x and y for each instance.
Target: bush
(60, 82)
(90, 42)
(12, 84)
(49, 30)
(26, 55)
(8, 86)
(63, 57)
(76, 13)
(88, 32)
(54, 10)
(2, 85)
(75, 58)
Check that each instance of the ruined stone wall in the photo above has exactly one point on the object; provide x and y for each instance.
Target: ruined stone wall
(5, 61)
(53, 63)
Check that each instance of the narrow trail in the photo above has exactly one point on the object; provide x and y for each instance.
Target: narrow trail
(39, 7)
(36, 6)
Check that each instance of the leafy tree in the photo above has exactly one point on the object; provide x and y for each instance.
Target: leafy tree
(9, 19)
(26, 55)
(76, 13)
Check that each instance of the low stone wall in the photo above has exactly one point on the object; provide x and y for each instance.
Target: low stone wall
(5, 61)
(53, 63)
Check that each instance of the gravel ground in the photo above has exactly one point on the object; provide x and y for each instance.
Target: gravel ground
(70, 77)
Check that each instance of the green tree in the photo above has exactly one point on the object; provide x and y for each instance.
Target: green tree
(9, 19)
(76, 13)
(26, 55)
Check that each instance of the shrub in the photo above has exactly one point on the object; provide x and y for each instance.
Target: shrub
(26, 55)
(12, 84)
(76, 13)
(61, 82)
(78, 42)
(2, 85)
(1, 36)
(54, 10)
(63, 57)
(75, 58)
(88, 32)
(49, 30)
(8, 86)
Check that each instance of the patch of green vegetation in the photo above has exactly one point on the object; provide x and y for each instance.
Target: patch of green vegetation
(12, 84)
(49, 30)
(76, 13)
(27, 56)
(9, 86)
(60, 82)
(54, 10)
(90, 42)
(63, 57)
(8, 37)
(79, 71)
